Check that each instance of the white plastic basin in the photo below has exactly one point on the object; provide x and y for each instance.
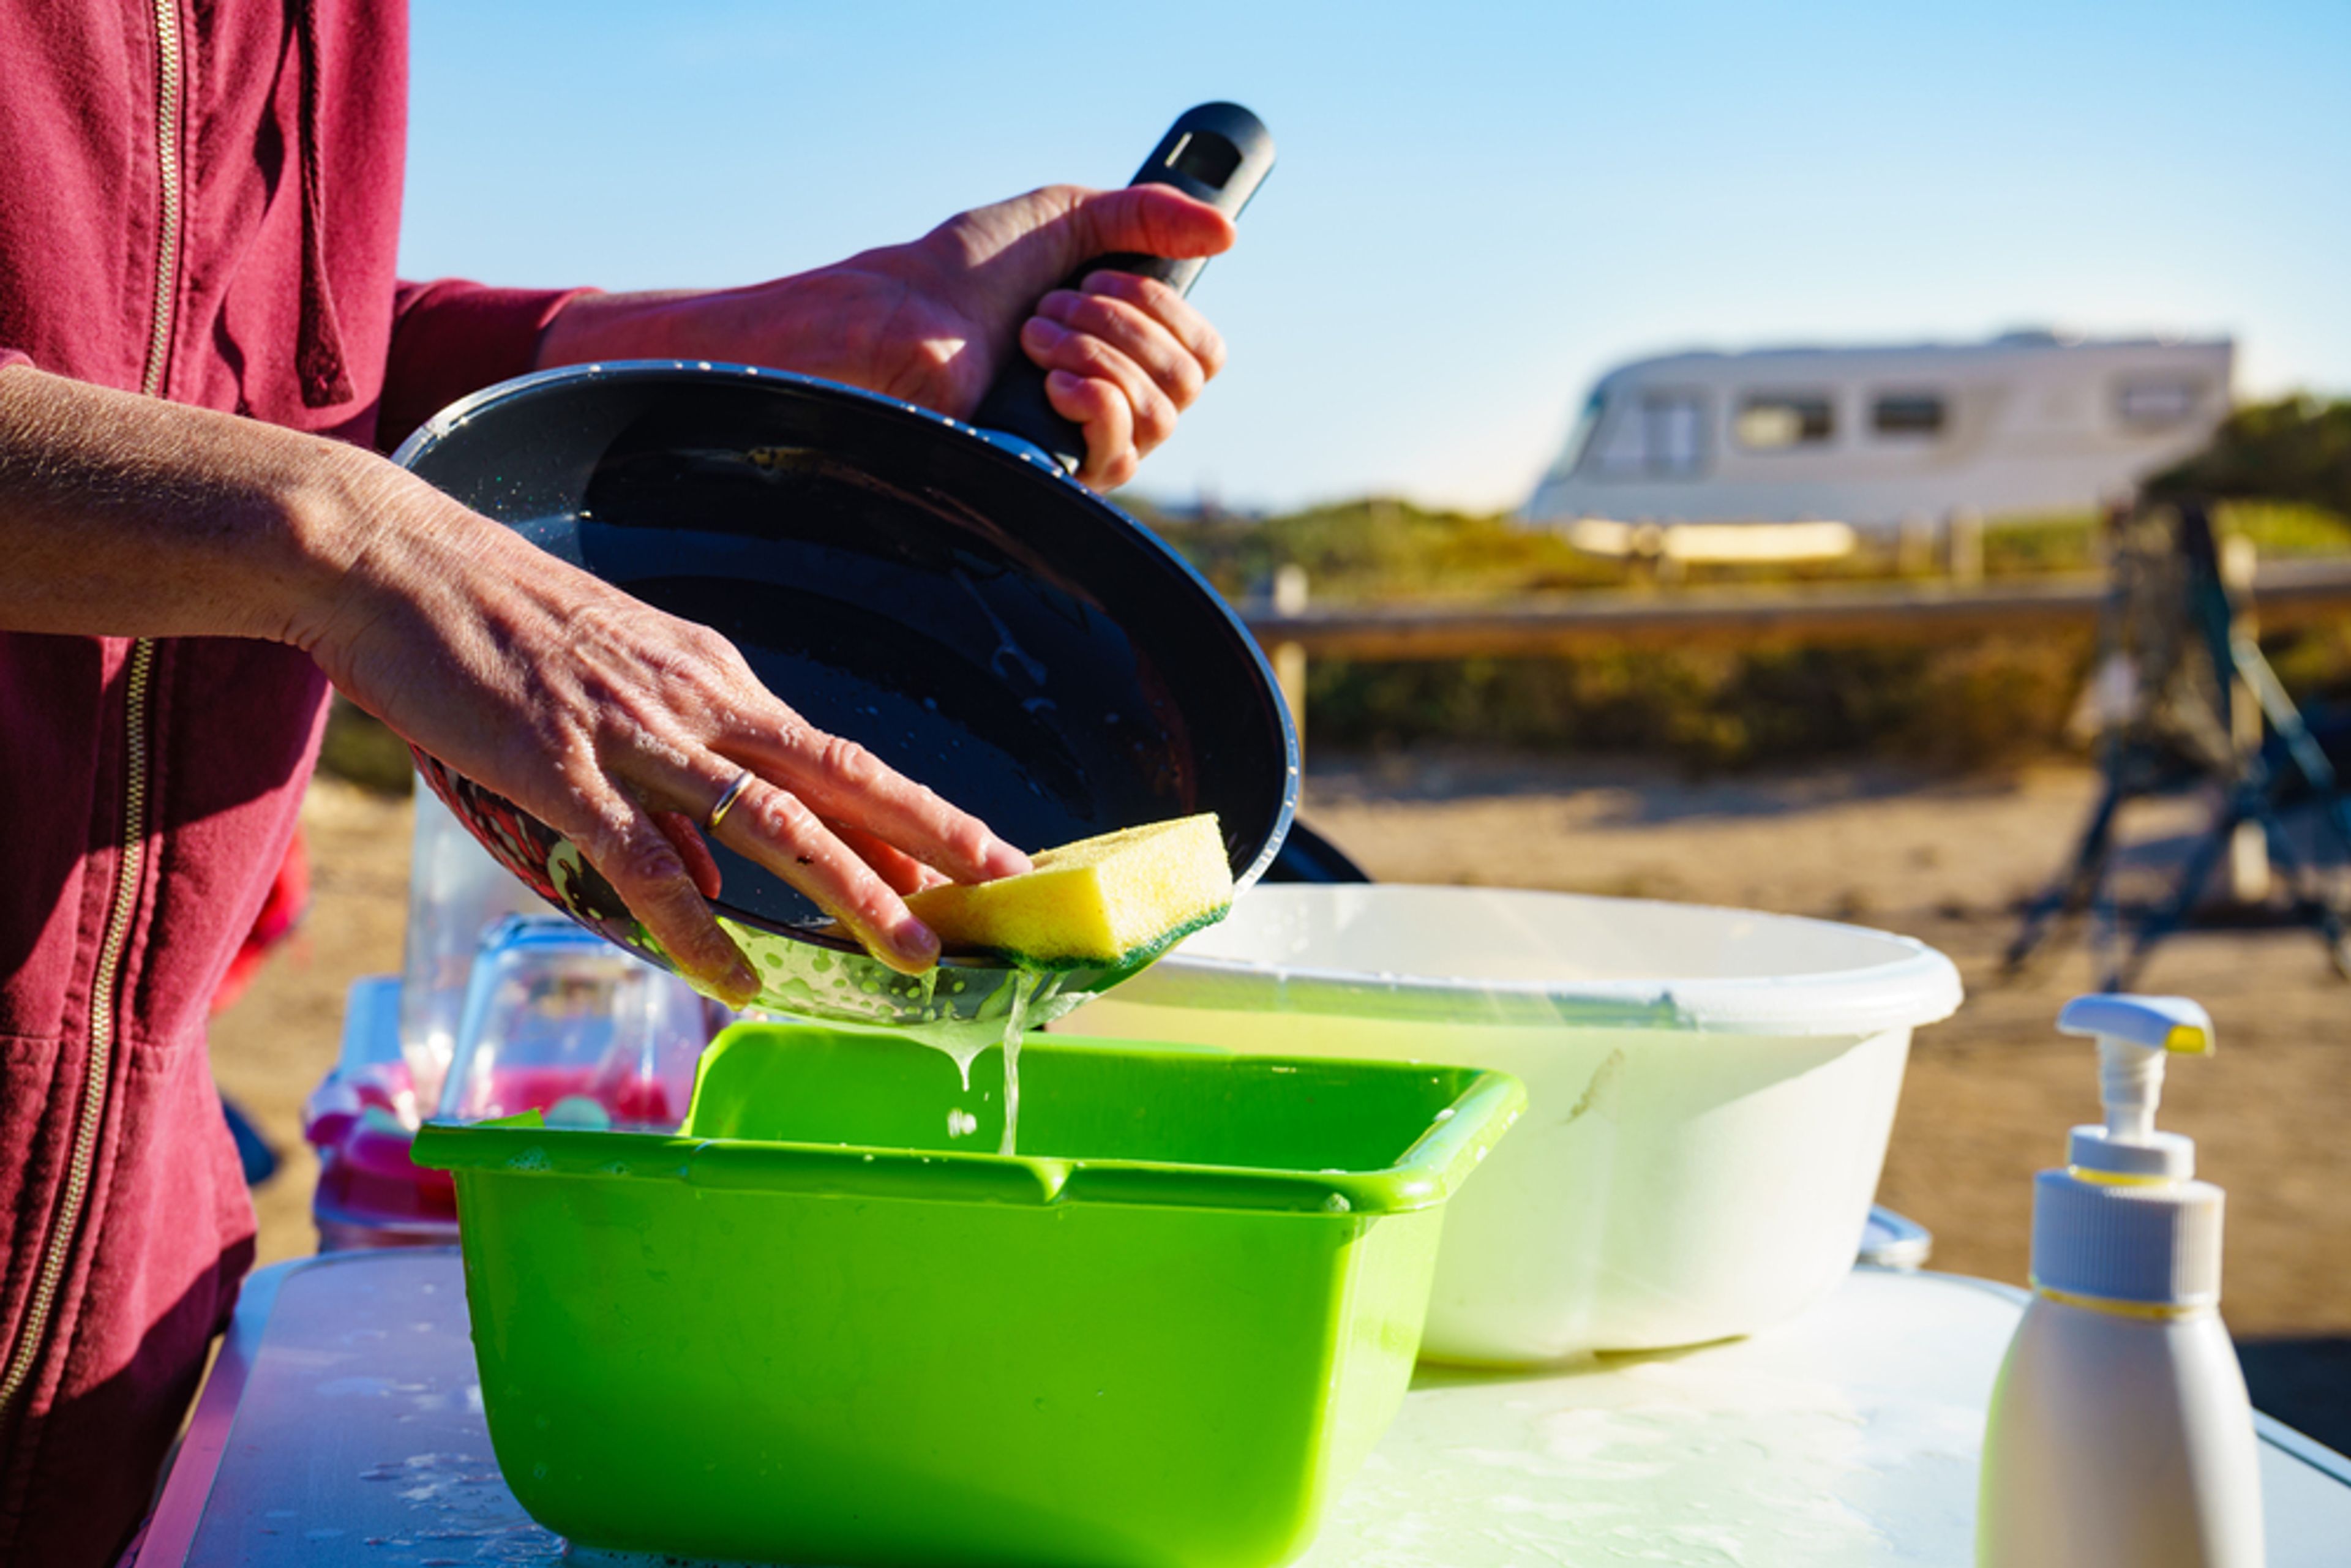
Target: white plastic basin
(1711, 1090)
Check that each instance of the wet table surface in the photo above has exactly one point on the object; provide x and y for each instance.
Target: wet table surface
(342, 1424)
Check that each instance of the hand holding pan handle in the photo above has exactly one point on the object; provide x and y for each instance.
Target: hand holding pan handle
(1219, 153)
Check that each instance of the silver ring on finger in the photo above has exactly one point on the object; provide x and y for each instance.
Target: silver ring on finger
(726, 801)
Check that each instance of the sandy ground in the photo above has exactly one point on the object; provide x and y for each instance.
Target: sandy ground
(1988, 1094)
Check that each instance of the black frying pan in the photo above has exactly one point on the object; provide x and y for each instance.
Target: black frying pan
(945, 595)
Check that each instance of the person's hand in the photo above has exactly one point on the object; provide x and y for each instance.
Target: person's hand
(621, 728)
(932, 321)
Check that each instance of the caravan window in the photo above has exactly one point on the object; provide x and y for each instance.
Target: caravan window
(1769, 422)
(1906, 414)
(2150, 403)
(1660, 436)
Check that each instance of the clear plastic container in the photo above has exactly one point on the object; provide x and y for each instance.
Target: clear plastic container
(456, 893)
(552, 1018)
(559, 1021)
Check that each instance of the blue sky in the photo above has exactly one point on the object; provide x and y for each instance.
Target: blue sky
(1478, 207)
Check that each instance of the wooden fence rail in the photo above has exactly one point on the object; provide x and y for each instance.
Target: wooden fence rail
(2286, 594)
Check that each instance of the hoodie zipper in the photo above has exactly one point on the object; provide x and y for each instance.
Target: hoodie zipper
(168, 110)
(130, 862)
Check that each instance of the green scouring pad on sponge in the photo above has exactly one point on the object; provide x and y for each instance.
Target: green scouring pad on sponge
(1115, 902)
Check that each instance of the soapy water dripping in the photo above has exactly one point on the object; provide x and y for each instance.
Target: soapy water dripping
(1025, 996)
(1016, 1024)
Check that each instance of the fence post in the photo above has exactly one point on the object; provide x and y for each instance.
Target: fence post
(1963, 545)
(2249, 846)
(1914, 545)
(1289, 659)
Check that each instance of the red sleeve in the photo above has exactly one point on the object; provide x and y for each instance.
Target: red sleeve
(449, 338)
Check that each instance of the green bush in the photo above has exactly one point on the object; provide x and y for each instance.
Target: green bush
(2295, 449)
(2287, 528)
(1375, 549)
(358, 747)
(1963, 705)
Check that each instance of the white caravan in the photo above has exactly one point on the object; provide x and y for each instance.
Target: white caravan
(1877, 436)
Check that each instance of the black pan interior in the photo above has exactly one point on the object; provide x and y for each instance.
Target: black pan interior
(981, 623)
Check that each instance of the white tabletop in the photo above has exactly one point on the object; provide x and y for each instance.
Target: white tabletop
(342, 1424)
(1847, 1436)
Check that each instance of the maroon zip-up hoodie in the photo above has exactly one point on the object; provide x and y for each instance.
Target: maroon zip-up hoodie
(199, 199)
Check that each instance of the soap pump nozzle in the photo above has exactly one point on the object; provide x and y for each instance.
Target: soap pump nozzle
(2133, 1035)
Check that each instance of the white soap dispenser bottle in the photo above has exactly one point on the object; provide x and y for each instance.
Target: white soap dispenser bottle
(2120, 1432)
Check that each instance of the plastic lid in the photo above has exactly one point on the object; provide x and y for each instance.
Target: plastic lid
(1517, 957)
(2153, 1243)
(2159, 1156)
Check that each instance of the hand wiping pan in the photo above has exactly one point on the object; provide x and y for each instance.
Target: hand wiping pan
(946, 596)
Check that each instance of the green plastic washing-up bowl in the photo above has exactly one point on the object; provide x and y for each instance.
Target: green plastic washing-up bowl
(826, 1323)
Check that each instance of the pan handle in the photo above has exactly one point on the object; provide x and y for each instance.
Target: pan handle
(1219, 153)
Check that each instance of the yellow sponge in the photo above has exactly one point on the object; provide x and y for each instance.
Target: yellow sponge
(1116, 900)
